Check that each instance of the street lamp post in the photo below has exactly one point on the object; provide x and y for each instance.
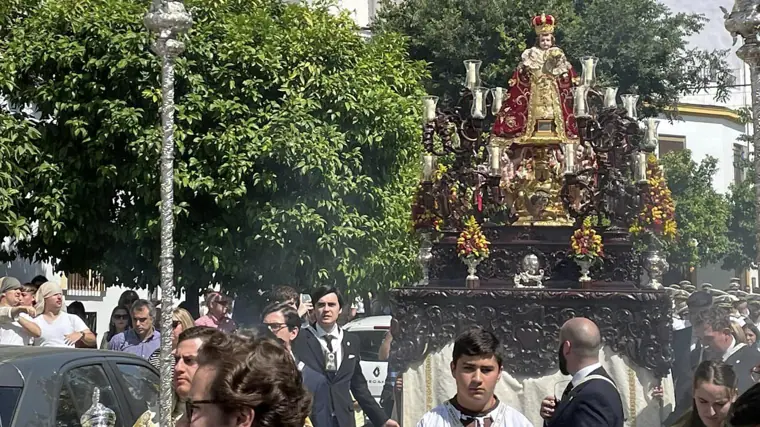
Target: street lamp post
(168, 19)
(744, 20)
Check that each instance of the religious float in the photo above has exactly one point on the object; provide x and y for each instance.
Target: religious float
(538, 202)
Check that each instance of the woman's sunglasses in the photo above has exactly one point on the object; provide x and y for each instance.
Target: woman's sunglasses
(121, 316)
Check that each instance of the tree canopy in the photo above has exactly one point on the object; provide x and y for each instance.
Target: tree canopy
(295, 143)
(702, 214)
(641, 45)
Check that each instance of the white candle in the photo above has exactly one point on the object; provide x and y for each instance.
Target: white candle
(428, 166)
(610, 95)
(477, 111)
(429, 109)
(569, 158)
(641, 167)
(472, 76)
(494, 153)
(588, 68)
(580, 101)
(498, 99)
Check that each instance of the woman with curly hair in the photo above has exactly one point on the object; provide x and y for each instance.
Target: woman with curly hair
(245, 382)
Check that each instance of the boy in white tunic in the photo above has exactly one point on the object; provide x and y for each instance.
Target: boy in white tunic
(476, 368)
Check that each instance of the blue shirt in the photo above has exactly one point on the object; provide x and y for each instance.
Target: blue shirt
(129, 341)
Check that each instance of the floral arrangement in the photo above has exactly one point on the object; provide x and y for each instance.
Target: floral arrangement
(586, 243)
(657, 216)
(472, 242)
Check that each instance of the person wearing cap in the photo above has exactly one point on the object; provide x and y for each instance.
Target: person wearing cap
(58, 328)
(16, 324)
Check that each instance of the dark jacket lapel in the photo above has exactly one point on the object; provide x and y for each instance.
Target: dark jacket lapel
(316, 349)
(347, 363)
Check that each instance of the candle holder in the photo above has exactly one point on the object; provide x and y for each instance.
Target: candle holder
(580, 101)
(650, 142)
(479, 95)
(429, 105)
(472, 78)
(494, 157)
(588, 75)
(498, 98)
(428, 167)
(629, 103)
(570, 158)
(610, 97)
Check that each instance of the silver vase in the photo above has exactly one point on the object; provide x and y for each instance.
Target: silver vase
(425, 256)
(655, 265)
(585, 267)
(473, 281)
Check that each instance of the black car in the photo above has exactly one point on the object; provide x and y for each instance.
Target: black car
(45, 386)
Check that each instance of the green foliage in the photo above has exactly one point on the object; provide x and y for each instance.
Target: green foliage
(640, 43)
(742, 225)
(702, 214)
(295, 143)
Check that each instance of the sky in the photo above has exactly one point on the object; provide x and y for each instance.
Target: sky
(714, 35)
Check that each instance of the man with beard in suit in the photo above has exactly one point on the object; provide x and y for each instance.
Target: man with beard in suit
(591, 399)
(333, 354)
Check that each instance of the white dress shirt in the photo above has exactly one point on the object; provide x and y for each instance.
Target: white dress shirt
(583, 373)
(337, 342)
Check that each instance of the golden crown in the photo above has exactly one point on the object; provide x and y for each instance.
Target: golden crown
(544, 24)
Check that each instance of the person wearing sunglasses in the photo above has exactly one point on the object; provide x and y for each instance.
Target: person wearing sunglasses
(218, 307)
(181, 321)
(120, 322)
(245, 382)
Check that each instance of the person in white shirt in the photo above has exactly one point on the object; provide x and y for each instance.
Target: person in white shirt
(58, 328)
(476, 367)
(16, 324)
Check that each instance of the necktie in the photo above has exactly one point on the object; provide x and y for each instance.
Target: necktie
(328, 340)
(567, 390)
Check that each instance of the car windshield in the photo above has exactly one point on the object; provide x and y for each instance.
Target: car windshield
(369, 344)
(9, 397)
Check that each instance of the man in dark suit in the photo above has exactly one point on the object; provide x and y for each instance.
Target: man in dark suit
(333, 355)
(714, 330)
(688, 353)
(591, 399)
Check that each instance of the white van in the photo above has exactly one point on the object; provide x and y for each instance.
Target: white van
(371, 332)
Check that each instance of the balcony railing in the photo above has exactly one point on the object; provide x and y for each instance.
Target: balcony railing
(84, 285)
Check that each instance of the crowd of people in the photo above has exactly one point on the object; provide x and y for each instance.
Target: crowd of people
(298, 367)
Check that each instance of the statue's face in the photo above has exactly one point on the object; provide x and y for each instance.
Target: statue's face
(545, 41)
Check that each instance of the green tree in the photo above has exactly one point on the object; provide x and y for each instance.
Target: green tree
(702, 214)
(641, 45)
(742, 233)
(296, 153)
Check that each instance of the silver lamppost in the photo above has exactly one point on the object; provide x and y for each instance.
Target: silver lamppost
(744, 21)
(169, 20)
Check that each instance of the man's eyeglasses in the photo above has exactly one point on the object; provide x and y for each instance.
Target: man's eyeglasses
(190, 406)
(274, 327)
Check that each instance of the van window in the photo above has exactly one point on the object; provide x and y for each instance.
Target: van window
(9, 397)
(369, 343)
